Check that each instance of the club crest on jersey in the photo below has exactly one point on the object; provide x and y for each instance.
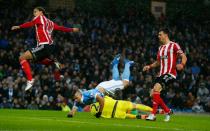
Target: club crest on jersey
(164, 57)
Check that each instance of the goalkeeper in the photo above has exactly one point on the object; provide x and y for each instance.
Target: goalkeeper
(119, 109)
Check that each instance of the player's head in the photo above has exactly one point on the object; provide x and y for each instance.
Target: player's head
(94, 108)
(39, 11)
(77, 96)
(163, 35)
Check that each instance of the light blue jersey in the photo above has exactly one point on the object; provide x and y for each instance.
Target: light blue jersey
(89, 97)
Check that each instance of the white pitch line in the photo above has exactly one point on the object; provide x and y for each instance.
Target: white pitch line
(105, 124)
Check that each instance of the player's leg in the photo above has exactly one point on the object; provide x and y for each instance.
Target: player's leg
(142, 107)
(46, 61)
(131, 106)
(126, 106)
(132, 116)
(115, 71)
(23, 59)
(157, 101)
(126, 72)
(35, 54)
(166, 79)
(111, 85)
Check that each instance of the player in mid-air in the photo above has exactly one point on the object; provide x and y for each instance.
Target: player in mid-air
(96, 95)
(119, 109)
(45, 46)
(167, 56)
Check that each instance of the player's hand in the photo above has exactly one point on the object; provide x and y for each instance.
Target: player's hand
(75, 29)
(70, 115)
(97, 115)
(15, 27)
(146, 68)
(179, 67)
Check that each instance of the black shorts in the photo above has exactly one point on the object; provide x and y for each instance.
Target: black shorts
(165, 80)
(42, 51)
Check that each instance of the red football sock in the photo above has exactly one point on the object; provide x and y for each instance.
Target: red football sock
(163, 105)
(46, 61)
(155, 101)
(26, 68)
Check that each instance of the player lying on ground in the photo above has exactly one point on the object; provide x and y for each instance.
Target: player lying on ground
(96, 95)
(45, 46)
(119, 109)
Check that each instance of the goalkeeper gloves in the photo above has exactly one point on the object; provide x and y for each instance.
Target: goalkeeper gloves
(97, 115)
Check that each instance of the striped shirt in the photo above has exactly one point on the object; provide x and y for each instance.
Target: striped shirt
(44, 28)
(167, 56)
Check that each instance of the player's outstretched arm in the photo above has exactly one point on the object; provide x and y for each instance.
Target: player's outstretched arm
(65, 29)
(153, 65)
(72, 112)
(36, 20)
(101, 103)
(25, 25)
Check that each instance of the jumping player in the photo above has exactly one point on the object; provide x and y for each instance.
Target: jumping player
(45, 46)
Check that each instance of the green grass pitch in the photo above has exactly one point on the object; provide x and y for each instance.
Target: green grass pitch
(33, 120)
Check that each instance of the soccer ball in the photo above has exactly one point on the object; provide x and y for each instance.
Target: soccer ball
(94, 108)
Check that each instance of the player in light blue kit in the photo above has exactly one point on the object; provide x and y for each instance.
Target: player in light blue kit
(86, 98)
(96, 95)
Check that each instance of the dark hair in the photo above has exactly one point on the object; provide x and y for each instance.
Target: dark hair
(73, 92)
(165, 30)
(42, 10)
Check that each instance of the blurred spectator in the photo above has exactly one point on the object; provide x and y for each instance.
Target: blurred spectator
(177, 101)
(190, 101)
(202, 94)
(195, 69)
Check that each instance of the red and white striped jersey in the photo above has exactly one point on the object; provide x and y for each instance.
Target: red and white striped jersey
(167, 56)
(44, 28)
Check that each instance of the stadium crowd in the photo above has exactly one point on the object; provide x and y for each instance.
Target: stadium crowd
(87, 55)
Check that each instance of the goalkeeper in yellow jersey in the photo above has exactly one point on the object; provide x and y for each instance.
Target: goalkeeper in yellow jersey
(119, 109)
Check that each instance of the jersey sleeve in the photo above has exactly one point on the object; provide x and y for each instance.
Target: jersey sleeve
(177, 49)
(93, 95)
(62, 28)
(36, 20)
(158, 55)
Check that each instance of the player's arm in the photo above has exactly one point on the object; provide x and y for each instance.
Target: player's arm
(181, 54)
(65, 29)
(25, 25)
(183, 62)
(100, 100)
(28, 24)
(73, 111)
(153, 65)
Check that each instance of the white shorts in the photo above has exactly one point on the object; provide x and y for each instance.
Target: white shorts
(111, 85)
